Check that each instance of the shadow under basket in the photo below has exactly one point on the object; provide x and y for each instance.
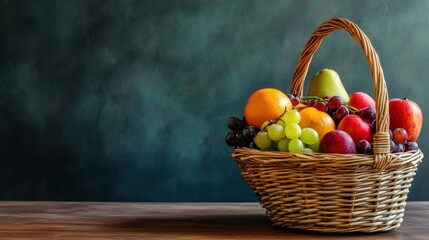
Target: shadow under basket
(334, 192)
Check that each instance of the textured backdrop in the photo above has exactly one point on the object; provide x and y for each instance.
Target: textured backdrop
(128, 100)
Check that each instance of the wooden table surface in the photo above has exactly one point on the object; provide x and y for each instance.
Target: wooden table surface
(96, 220)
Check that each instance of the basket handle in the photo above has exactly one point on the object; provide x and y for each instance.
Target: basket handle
(381, 142)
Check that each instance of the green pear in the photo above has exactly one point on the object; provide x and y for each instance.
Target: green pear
(327, 82)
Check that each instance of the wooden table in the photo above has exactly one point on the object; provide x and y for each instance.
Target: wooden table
(94, 220)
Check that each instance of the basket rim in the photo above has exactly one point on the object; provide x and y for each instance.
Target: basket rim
(250, 156)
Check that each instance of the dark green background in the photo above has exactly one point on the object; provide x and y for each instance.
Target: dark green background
(128, 100)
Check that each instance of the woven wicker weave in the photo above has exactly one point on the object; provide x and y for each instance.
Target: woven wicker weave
(334, 192)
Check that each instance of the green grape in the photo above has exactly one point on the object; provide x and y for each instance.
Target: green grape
(264, 125)
(262, 140)
(309, 136)
(275, 132)
(292, 131)
(296, 145)
(283, 145)
(314, 146)
(307, 150)
(274, 146)
(291, 116)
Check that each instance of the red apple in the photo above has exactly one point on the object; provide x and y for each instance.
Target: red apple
(356, 127)
(406, 114)
(337, 141)
(361, 100)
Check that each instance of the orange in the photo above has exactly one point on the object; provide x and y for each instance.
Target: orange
(318, 120)
(265, 104)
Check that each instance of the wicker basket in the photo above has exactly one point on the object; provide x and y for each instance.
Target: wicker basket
(334, 192)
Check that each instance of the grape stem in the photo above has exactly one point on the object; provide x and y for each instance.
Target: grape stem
(306, 98)
(271, 122)
(319, 99)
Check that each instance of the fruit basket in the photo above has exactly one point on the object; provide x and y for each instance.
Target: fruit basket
(328, 192)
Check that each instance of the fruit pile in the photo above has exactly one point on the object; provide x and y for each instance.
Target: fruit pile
(327, 120)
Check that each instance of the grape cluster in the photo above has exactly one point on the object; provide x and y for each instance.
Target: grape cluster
(333, 106)
(284, 134)
(399, 143)
(242, 134)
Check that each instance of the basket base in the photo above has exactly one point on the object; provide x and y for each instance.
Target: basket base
(338, 225)
(316, 192)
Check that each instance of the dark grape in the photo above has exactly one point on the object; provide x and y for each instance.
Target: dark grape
(367, 114)
(240, 141)
(392, 146)
(334, 103)
(321, 106)
(373, 127)
(400, 147)
(409, 146)
(363, 146)
(252, 145)
(332, 114)
(248, 133)
(230, 139)
(236, 124)
(242, 134)
(244, 121)
(390, 134)
(341, 113)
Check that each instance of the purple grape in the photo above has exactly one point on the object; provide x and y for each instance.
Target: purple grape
(251, 128)
(390, 134)
(235, 124)
(249, 133)
(310, 103)
(239, 140)
(341, 113)
(334, 103)
(400, 135)
(400, 147)
(290, 96)
(392, 146)
(395, 148)
(374, 127)
(295, 101)
(230, 139)
(367, 114)
(409, 146)
(363, 146)
(321, 106)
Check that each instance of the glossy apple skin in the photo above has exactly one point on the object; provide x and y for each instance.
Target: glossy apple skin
(406, 114)
(337, 141)
(356, 127)
(361, 100)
